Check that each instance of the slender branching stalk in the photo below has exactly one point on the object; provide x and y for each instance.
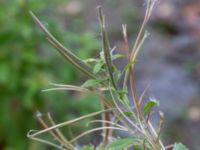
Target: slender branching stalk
(116, 110)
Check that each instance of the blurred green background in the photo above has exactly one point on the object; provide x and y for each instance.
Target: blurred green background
(28, 62)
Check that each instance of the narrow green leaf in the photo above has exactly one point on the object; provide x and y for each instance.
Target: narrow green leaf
(117, 73)
(98, 67)
(73, 59)
(117, 56)
(91, 82)
(91, 60)
(120, 144)
(106, 48)
(107, 89)
(149, 105)
(87, 148)
(122, 91)
(128, 113)
(179, 146)
(138, 147)
(125, 100)
(128, 66)
(66, 87)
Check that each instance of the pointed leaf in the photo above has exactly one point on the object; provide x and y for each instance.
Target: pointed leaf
(128, 66)
(149, 105)
(91, 82)
(120, 144)
(128, 113)
(88, 148)
(117, 56)
(138, 147)
(97, 67)
(66, 87)
(91, 60)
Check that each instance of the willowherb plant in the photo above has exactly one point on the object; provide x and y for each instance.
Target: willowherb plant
(117, 112)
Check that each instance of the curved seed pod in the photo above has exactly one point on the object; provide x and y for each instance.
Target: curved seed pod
(106, 47)
(73, 59)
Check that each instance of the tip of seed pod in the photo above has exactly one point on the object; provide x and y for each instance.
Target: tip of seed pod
(98, 7)
(38, 114)
(161, 114)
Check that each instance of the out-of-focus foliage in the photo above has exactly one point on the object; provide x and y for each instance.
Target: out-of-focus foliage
(25, 69)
